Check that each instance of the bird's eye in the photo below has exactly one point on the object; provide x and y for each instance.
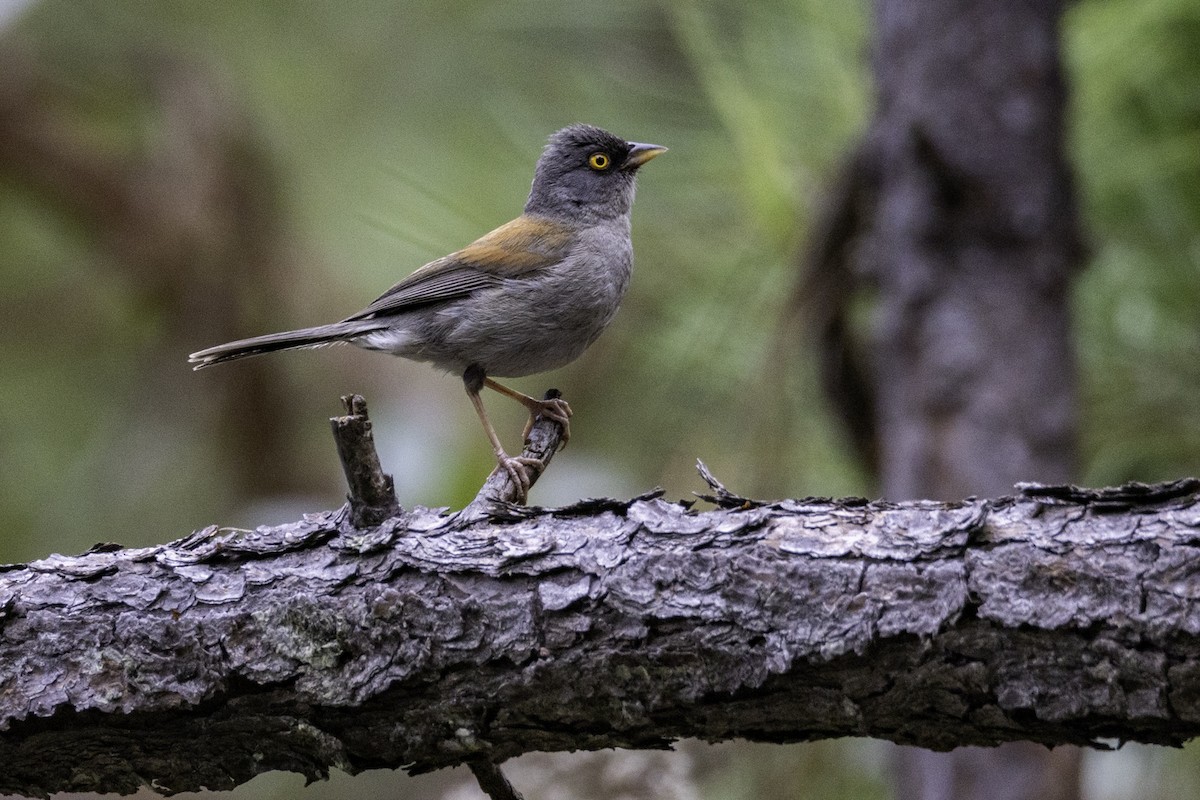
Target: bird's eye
(599, 161)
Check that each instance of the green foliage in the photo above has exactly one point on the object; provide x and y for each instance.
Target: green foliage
(1136, 140)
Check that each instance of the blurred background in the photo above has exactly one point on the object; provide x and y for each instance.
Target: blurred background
(176, 175)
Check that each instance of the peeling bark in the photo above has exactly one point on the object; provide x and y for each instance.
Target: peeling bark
(430, 640)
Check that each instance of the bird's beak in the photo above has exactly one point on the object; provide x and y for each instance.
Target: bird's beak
(641, 153)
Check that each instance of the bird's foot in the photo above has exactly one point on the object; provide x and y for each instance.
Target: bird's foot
(517, 468)
(555, 410)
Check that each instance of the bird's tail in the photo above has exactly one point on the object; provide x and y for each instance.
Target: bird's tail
(288, 340)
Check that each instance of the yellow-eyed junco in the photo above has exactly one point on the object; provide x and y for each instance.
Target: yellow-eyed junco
(530, 296)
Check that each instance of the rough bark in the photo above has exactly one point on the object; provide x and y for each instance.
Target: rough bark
(432, 640)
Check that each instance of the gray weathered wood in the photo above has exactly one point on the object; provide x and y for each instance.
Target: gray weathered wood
(1056, 616)
(372, 497)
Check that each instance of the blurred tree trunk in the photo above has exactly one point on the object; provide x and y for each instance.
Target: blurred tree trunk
(957, 211)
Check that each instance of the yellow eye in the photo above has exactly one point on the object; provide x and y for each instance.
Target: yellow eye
(599, 161)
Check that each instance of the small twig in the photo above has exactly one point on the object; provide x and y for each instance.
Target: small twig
(492, 781)
(723, 498)
(372, 496)
(544, 440)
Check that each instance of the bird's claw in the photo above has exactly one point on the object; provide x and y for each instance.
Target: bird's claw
(516, 467)
(556, 410)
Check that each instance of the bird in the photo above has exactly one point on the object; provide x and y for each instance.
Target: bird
(528, 297)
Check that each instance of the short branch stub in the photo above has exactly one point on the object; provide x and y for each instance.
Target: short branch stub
(372, 495)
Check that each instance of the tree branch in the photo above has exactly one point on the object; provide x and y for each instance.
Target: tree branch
(372, 495)
(1058, 615)
(492, 781)
(499, 491)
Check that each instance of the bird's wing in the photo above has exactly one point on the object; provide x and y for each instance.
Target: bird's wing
(514, 250)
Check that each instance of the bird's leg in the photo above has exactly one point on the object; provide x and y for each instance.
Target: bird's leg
(474, 380)
(556, 409)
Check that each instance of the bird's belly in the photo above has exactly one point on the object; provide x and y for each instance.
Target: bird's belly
(526, 341)
(537, 335)
(526, 327)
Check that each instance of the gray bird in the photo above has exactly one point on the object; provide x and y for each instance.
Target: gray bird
(530, 296)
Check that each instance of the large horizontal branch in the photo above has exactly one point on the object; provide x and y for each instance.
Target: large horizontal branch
(1056, 616)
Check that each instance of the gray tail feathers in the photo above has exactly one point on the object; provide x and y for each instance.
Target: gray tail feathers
(288, 340)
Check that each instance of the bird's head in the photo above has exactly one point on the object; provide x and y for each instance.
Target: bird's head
(587, 173)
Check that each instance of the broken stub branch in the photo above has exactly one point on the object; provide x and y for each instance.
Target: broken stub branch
(545, 438)
(372, 495)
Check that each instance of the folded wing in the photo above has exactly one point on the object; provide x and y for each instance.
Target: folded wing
(515, 250)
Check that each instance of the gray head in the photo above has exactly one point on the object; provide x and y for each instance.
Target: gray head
(587, 173)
